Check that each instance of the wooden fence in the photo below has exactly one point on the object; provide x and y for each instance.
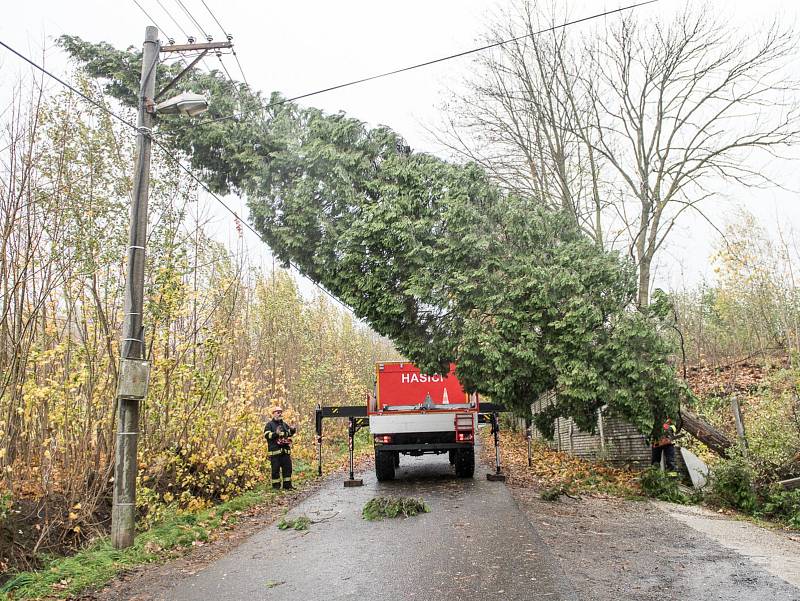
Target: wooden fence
(614, 441)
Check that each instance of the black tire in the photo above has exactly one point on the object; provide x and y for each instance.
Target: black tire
(396, 459)
(451, 456)
(465, 462)
(384, 465)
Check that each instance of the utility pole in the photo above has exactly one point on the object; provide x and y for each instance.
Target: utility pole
(134, 370)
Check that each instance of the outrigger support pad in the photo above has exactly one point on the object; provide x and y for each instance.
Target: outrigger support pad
(498, 476)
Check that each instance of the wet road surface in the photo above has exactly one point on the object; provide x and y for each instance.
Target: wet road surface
(619, 550)
(474, 542)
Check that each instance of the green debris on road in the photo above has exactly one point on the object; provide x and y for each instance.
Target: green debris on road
(378, 508)
(298, 523)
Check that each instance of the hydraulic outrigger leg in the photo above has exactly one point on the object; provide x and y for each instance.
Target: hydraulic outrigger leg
(351, 432)
(497, 476)
(357, 417)
(529, 437)
(318, 424)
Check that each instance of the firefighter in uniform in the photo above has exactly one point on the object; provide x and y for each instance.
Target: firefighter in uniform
(279, 444)
(664, 443)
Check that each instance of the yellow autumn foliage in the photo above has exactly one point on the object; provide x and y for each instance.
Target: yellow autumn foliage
(226, 337)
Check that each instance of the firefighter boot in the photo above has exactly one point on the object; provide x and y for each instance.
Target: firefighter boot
(287, 485)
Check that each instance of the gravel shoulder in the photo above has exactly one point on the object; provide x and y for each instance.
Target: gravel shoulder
(620, 550)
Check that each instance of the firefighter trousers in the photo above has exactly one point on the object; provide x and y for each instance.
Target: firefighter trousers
(281, 466)
(669, 456)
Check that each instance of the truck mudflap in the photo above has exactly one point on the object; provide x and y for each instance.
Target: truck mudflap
(357, 417)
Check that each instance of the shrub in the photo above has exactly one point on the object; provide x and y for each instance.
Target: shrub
(205, 469)
(661, 485)
(553, 493)
(732, 485)
(6, 504)
(783, 505)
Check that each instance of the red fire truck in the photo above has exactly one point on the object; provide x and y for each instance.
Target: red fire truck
(411, 413)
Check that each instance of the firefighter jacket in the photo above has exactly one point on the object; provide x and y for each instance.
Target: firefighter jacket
(279, 437)
(666, 436)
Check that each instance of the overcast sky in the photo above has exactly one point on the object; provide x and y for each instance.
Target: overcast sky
(304, 45)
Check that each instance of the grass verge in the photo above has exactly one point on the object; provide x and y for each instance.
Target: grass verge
(99, 562)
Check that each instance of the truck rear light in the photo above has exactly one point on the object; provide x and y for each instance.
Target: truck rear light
(464, 436)
(383, 438)
(464, 422)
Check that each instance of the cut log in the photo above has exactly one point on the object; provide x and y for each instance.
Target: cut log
(790, 484)
(713, 438)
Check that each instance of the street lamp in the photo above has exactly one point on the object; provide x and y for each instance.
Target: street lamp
(187, 103)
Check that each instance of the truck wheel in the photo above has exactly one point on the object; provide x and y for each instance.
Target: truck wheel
(396, 459)
(465, 462)
(451, 456)
(384, 466)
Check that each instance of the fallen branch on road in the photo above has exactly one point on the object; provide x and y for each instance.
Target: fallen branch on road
(378, 508)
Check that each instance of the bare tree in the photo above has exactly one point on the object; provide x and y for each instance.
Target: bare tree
(630, 126)
(523, 121)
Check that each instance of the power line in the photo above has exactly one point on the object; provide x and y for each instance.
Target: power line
(244, 77)
(169, 14)
(161, 29)
(229, 37)
(227, 73)
(218, 53)
(235, 85)
(73, 89)
(170, 156)
(213, 16)
(184, 56)
(431, 62)
(191, 17)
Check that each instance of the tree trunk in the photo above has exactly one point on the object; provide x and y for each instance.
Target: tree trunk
(705, 433)
(644, 281)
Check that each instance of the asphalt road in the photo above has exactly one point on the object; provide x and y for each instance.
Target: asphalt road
(474, 542)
